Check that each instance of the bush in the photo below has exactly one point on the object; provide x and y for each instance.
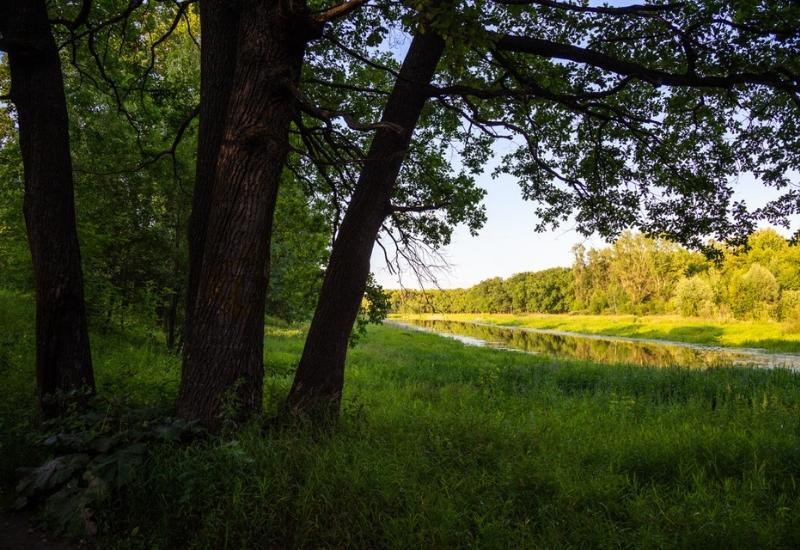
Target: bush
(93, 456)
(598, 302)
(753, 295)
(790, 305)
(694, 297)
(789, 309)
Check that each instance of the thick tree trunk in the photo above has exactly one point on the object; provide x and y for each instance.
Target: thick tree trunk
(223, 354)
(219, 31)
(319, 379)
(63, 360)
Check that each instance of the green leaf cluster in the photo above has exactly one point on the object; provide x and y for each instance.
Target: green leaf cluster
(94, 455)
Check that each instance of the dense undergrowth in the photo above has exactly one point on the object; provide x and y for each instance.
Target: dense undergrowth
(443, 445)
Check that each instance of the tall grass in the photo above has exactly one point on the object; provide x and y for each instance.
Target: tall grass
(444, 445)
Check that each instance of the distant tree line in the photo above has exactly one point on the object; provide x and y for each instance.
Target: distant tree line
(640, 275)
(548, 291)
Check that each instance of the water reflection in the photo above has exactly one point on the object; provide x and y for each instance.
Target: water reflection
(603, 349)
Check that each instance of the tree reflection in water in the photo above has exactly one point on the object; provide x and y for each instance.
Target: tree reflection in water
(604, 349)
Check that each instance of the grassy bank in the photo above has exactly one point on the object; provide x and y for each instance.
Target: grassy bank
(769, 335)
(443, 445)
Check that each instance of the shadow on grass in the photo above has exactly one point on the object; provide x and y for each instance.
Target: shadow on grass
(700, 334)
(631, 330)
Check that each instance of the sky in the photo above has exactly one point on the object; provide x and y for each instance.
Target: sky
(507, 244)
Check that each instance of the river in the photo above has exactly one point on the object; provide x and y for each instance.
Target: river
(602, 349)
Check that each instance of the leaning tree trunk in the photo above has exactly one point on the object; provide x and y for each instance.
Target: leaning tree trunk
(63, 359)
(223, 354)
(219, 29)
(319, 379)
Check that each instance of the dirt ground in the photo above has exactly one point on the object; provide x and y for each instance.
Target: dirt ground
(17, 533)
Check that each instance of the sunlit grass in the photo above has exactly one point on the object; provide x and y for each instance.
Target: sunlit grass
(444, 445)
(769, 335)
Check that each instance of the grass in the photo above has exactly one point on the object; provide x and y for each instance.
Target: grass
(769, 335)
(443, 445)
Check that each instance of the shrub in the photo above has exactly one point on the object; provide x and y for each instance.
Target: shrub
(753, 295)
(789, 309)
(93, 456)
(694, 297)
(598, 302)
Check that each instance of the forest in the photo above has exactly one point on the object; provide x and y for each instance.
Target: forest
(636, 274)
(193, 351)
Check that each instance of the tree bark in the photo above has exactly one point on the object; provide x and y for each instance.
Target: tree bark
(219, 31)
(317, 387)
(63, 359)
(223, 355)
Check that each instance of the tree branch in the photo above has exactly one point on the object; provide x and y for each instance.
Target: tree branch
(634, 9)
(326, 115)
(656, 77)
(80, 19)
(337, 11)
(157, 156)
(417, 207)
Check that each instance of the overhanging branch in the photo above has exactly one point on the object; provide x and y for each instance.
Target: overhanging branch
(337, 11)
(80, 19)
(656, 77)
(634, 9)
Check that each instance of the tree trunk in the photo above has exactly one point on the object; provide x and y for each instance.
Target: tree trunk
(319, 379)
(223, 355)
(219, 29)
(63, 359)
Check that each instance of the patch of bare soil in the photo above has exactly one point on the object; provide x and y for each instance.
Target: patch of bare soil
(17, 533)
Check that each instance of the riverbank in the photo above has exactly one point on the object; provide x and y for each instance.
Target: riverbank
(445, 445)
(768, 335)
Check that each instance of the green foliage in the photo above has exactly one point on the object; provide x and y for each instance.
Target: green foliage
(375, 307)
(94, 456)
(548, 291)
(15, 258)
(447, 445)
(132, 189)
(694, 297)
(790, 306)
(755, 292)
(639, 275)
(298, 253)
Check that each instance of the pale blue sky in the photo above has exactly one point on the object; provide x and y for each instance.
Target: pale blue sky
(508, 244)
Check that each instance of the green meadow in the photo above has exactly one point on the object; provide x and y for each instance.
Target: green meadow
(768, 334)
(444, 445)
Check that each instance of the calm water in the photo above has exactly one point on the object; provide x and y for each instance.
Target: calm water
(603, 349)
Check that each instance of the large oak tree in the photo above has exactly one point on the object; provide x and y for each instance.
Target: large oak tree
(631, 116)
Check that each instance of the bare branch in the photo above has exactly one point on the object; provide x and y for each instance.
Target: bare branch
(354, 54)
(634, 9)
(80, 19)
(345, 86)
(656, 77)
(121, 16)
(337, 11)
(171, 152)
(418, 207)
(327, 115)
